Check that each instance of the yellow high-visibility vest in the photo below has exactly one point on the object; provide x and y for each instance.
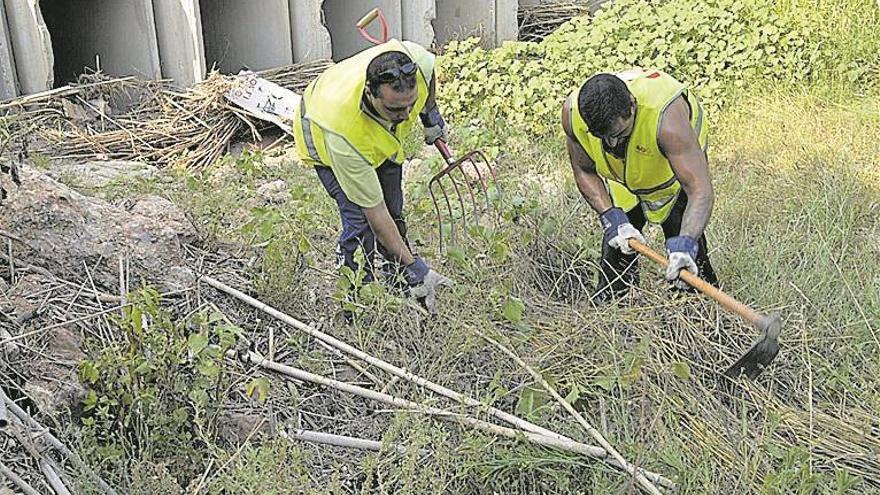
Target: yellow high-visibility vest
(644, 176)
(332, 104)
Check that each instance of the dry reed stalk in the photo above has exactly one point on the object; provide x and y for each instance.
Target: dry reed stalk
(536, 22)
(191, 127)
(524, 425)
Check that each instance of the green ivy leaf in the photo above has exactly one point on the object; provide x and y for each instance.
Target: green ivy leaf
(304, 245)
(513, 310)
(197, 342)
(573, 395)
(606, 382)
(90, 401)
(199, 397)
(681, 370)
(88, 372)
(143, 368)
(457, 256)
(372, 292)
(208, 368)
(499, 251)
(531, 401)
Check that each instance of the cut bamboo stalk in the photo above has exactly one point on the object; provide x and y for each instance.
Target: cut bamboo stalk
(298, 374)
(354, 364)
(56, 444)
(17, 481)
(339, 440)
(630, 468)
(52, 477)
(4, 413)
(413, 378)
(390, 368)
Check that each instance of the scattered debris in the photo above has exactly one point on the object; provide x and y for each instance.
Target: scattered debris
(274, 192)
(94, 174)
(542, 18)
(167, 126)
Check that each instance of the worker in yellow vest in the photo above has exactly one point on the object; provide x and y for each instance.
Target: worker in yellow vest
(637, 143)
(350, 127)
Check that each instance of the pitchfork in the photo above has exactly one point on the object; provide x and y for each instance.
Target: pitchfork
(476, 161)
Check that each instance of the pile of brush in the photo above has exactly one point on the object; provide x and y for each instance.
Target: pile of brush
(539, 20)
(151, 121)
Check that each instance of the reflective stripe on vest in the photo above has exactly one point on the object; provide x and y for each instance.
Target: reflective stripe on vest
(308, 139)
(644, 176)
(333, 104)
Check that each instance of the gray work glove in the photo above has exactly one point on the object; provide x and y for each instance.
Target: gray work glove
(424, 283)
(618, 230)
(435, 126)
(682, 253)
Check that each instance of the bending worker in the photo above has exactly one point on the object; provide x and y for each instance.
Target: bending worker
(637, 143)
(350, 127)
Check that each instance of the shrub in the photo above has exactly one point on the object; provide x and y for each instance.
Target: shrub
(716, 46)
(153, 395)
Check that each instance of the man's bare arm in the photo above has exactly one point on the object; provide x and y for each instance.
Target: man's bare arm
(589, 183)
(386, 232)
(679, 143)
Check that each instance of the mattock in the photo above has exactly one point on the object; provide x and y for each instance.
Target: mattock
(763, 350)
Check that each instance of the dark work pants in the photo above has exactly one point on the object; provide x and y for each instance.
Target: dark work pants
(621, 270)
(356, 231)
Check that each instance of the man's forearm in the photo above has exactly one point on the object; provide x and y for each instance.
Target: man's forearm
(386, 232)
(593, 190)
(697, 214)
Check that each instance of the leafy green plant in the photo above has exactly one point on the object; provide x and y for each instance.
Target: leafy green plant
(718, 47)
(152, 395)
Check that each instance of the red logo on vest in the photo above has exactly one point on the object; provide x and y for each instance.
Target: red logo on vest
(653, 75)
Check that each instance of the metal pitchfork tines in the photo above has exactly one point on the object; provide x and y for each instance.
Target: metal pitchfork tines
(472, 168)
(475, 161)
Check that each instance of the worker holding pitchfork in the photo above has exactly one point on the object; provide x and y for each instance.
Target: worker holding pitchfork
(637, 144)
(350, 127)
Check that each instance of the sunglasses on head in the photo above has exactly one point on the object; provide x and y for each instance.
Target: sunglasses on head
(393, 74)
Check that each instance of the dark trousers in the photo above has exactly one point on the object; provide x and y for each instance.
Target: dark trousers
(618, 270)
(356, 231)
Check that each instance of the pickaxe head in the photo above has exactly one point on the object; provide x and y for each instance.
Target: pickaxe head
(762, 352)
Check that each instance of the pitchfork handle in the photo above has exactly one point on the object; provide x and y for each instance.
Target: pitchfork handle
(750, 315)
(444, 150)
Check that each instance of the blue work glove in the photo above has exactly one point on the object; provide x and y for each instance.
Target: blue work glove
(682, 253)
(618, 230)
(435, 126)
(424, 283)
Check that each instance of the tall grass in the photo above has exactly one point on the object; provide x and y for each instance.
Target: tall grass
(796, 228)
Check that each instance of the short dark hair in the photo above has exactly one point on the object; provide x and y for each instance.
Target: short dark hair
(386, 61)
(602, 100)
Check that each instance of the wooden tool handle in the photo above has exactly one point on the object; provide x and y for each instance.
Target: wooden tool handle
(367, 19)
(444, 150)
(750, 315)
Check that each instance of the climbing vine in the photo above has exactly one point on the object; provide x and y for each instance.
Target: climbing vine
(717, 47)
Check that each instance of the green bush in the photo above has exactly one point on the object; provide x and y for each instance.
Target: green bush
(153, 395)
(716, 46)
